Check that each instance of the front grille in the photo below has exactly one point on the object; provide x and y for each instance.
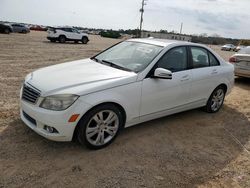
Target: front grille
(30, 119)
(30, 94)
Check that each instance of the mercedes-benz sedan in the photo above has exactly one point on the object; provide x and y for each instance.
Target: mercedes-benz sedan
(129, 83)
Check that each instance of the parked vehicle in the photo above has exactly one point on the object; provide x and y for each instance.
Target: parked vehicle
(20, 28)
(4, 28)
(228, 47)
(132, 82)
(63, 34)
(38, 28)
(238, 48)
(241, 62)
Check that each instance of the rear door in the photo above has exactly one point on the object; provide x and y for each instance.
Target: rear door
(206, 74)
(69, 33)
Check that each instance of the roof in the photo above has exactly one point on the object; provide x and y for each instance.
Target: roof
(159, 42)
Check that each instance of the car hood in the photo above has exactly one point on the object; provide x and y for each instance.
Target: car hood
(78, 77)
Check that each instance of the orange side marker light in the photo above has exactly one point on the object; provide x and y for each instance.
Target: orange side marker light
(73, 118)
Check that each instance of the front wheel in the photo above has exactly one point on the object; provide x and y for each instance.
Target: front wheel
(216, 100)
(85, 40)
(99, 127)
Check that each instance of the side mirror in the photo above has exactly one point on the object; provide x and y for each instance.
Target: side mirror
(162, 73)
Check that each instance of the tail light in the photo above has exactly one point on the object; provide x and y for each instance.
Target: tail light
(233, 59)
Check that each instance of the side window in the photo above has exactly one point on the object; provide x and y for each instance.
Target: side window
(213, 60)
(174, 60)
(199, 57)
(67, 29)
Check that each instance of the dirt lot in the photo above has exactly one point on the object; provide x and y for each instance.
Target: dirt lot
(190, 149)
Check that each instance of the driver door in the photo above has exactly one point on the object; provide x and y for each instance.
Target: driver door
(160, 95)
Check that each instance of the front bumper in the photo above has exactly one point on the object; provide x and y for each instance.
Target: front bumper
(37, 118)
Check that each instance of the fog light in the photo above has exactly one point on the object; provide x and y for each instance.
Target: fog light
(50, 129)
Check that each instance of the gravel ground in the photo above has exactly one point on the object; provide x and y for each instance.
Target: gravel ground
(190, 149)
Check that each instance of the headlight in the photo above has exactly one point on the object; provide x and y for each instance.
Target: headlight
(58, 102)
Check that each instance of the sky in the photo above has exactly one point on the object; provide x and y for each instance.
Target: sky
(227, 18)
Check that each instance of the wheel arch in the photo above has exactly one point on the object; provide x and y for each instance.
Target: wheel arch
(62, 35)
(120, 107)
(224, 86)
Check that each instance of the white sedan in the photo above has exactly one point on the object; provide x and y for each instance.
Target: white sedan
(132, 82)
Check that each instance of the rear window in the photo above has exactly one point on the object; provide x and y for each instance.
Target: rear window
(199, 57)
(213, 60)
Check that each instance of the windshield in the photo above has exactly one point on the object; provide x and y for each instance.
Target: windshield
(134, 56)
(244, 51)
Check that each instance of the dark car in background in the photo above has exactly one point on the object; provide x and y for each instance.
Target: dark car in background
(4, 28)
(20, 28)
(38, 28)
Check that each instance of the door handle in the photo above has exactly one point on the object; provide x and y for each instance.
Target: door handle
(214, 71)
(185, 78)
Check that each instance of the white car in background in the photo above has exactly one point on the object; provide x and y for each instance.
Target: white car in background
(132, 82)
(63, 34)
(228, 47)
(241, 62)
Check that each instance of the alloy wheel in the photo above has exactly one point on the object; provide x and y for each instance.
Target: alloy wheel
(217, 99)
(102, 127)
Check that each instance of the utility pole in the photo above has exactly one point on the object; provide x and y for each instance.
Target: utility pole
(181, 27)
(142, 12)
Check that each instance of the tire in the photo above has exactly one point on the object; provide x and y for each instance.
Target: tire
(62, 39)
(216, 100)
(52, 40)
(24, 31)
(85, 40)
(94, 131)
(7, 31)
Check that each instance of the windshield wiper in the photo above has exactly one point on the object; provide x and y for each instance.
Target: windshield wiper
(116, 66)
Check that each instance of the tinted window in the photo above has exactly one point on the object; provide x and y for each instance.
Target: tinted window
(67, 29)
(213, 60)
(174, 60)
(199, 57)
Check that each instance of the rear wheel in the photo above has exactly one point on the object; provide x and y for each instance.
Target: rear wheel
(62, 39)
(99, 127)
(216, 100)
(52, 40)
(7, 31)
